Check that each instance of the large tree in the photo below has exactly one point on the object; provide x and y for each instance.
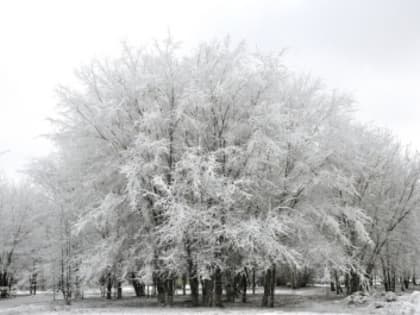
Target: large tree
(215, 163)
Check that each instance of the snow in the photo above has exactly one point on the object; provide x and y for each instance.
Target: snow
(42, 304)
(406, 304)
(399, 308)
(38, 311)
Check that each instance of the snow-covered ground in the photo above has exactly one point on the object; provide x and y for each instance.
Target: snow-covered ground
(407, 304)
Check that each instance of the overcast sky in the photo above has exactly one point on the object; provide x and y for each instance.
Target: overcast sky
(370, 48)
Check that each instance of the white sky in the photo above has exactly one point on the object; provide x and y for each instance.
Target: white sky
(370, 48)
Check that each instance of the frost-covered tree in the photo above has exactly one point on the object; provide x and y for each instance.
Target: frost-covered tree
(213, 164)
(22, 232)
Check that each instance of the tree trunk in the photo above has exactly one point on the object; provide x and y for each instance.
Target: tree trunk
(374, 278)
(267, 287)
(244, 287)
(161, 290)
(67, 297)
(273, 285)
(30, 285)
(138, 287)
(339, 290)
(389, 276)
(170, 291)
(135, 284)
(218, 289)
(109, 287)
(3, 279)
(119, 290)
(192, 275)
(394, 280)
(406, 282)
(230, 287)
(207, 288)
(293, 280)
(203, 292)
(253, 281)
(192, 278)
(352, 282)
(386, 279)
(184, 284)
(236, 280)
(77, 293)
(194, 290)
(154, 288)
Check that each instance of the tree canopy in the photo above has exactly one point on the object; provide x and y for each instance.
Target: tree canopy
(220, 161)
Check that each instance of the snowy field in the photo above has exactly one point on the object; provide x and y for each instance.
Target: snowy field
(299, 302)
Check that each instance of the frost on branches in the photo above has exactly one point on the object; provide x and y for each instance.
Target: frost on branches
(217, 167)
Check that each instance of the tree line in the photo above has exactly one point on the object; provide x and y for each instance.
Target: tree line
(221, 169)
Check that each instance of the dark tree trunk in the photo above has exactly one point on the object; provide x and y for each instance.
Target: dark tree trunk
(192, 275)
(194, 290)
(203, 292)
(119, 290)
(218, 287)
(161, 290)
(394, 280)
(109, 287)
(236, 280)
(273, 285)
(154, 289)
(3, 279)
(139, 287)
(267, 287)
(352, 282)
(374, 279)
(244, 287)
(389, 278)
(77, 293)
(32, 284)
(207, 288)
(135, 284)
(338, 288)
(192, 278)
(230, 287)
(184, 284)
(406, 283)
(386, 279)
(369, 270)
(170, 291)
(253, 281)
(10, 281)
